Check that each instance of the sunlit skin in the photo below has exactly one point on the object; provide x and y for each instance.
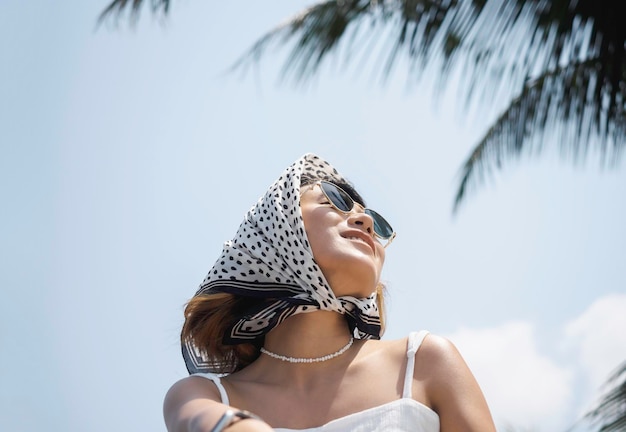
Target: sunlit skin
(344, 246)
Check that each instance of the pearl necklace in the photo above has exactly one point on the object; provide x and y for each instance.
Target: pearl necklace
(309, 360)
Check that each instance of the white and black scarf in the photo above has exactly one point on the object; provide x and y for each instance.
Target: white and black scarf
(270, 259)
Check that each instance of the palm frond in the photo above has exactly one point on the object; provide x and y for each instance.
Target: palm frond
(610, 413)
(117, 7)
(319, 27)
(426, 32)
(564, 100)
(419, 27)
(564, 59)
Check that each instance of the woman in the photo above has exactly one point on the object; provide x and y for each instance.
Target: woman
(287, 323)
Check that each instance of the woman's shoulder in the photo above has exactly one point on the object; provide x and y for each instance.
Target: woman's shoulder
(442, 369)
(433, 352)
(438, 350)
(192, 387)
(450, 386)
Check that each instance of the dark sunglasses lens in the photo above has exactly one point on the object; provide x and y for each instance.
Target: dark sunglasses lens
(339, 197)
(381, 226)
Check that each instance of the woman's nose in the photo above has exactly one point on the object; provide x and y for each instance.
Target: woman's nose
(362, 220)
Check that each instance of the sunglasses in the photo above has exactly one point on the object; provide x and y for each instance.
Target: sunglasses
(342, 202)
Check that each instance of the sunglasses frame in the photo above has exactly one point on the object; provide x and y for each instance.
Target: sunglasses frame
(367, 211)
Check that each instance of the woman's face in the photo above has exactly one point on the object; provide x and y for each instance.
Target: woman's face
(343, 245)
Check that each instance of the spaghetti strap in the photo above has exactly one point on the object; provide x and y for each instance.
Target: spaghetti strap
(413, 344)
(218, 383)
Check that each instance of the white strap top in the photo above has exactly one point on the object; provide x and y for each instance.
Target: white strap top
(401, 415)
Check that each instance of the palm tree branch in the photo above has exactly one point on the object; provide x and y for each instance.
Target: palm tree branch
(566, 96)
(320, 27)
(117, 7)
(610, 413)
(570, 72)
(419, 26)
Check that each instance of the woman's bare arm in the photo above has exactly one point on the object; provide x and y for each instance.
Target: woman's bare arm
(192, 405)
(452, 389)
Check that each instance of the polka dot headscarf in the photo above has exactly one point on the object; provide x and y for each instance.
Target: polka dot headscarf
(270, 259)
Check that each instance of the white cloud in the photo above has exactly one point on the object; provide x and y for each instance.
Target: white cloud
(598, 337)
(527, 390)
(524, 389)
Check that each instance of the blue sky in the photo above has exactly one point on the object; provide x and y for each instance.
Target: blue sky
(129, 156)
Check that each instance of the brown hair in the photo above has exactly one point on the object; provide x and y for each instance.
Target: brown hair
(208, 316)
